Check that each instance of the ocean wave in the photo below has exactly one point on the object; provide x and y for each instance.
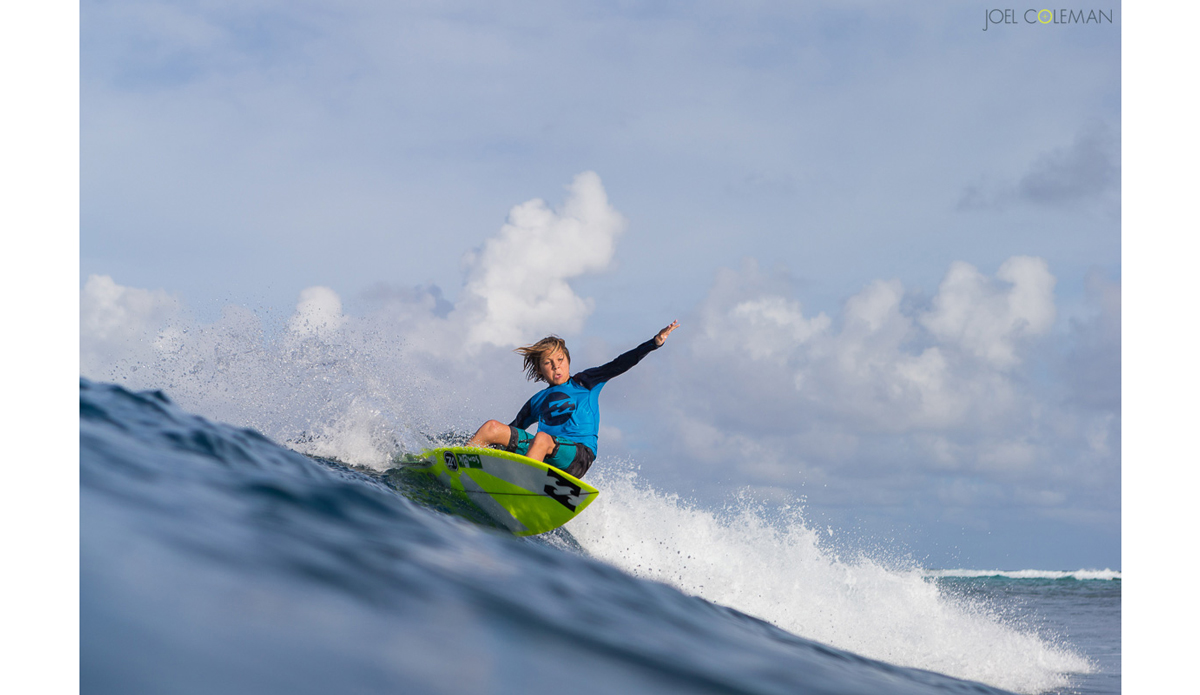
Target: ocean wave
(212, 559)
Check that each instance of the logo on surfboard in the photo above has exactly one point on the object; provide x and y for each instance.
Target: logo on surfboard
(562, 490)
(453, 461)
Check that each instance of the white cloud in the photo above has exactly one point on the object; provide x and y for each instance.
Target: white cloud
(746, 312)
(769, 324)
(988, 319)
(109, 310)
(120, 324)
(888, 398)
(885, 366)
(871, 372)
(517, 285)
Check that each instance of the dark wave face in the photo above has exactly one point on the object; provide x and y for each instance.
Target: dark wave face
(214, 561)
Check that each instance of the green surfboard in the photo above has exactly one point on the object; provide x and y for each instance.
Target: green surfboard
(525, 496)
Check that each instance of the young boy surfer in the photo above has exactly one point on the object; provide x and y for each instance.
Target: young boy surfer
(567, 411)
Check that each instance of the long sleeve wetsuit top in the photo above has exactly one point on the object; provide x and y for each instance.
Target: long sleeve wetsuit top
(572, 410)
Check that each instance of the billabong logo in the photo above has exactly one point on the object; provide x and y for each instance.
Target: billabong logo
(562, 490)
(1001, 16)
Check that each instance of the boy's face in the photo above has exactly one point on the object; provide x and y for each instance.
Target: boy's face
(555, 368)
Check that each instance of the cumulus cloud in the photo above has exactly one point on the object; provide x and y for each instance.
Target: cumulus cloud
(518, 284)
(120, 325)
(746, 311)
(884, 366)
(987, 318)
(897, 397)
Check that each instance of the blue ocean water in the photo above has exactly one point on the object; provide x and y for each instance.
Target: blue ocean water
(214, 560)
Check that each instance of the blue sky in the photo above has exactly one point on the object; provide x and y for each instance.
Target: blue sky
(893, 240)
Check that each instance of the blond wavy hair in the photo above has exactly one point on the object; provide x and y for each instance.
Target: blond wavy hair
(533, 355)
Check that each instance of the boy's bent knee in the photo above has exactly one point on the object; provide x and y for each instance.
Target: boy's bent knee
(491, 432)
(541, 445)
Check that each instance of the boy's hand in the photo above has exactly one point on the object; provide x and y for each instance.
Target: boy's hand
(662, 335)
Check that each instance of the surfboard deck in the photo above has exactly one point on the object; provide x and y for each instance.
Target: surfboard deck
(525, 496)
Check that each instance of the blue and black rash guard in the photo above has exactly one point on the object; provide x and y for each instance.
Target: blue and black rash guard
(572, 410)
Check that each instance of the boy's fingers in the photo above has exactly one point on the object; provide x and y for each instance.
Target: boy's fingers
(662, 335)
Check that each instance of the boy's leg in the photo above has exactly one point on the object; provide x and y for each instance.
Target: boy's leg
(542, 445)
(581, 460)
(562, 453)
(492, 432)
(536, 447)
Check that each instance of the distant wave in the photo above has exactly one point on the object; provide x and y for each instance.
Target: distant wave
(1082, 575)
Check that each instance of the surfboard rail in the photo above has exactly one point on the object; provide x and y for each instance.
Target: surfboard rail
(525, 496)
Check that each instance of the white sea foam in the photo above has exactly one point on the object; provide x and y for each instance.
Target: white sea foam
(775, 567)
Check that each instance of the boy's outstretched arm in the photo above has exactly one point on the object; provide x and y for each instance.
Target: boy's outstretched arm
(662, 335)
(589, 378)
